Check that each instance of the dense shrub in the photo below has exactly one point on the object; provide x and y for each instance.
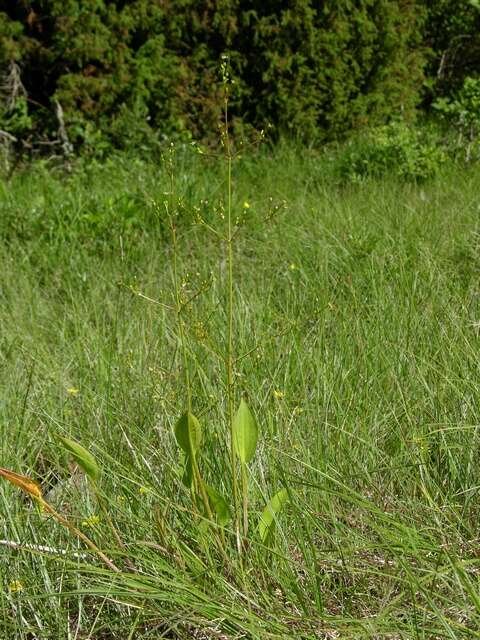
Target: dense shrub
(461, 112)
(128, 73)
(396, 149)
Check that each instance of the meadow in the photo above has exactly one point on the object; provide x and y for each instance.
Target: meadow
(355, 330)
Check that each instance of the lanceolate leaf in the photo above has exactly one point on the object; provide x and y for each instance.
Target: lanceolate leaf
(22, 482)
(218, 505)
(266, 524)
(245, 432)
(188, 433)
(82, 457)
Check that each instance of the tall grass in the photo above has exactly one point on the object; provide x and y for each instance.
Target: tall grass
(356, 329)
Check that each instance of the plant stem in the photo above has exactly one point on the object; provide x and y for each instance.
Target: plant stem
(68, 525)
(201, 488)
(112, 527)
(181, 331)
(178, 304)
(245, 500)
(198, 484)
(203, 492)
(229, 351)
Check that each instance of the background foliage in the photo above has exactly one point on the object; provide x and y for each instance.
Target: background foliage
(131, 73)
(123, 70)
(453, 37)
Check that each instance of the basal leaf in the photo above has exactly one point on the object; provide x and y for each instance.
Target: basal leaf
(82, 457)
(266, 524)
(22, 482)
(219, 505)
(245, 433)
(188, 433)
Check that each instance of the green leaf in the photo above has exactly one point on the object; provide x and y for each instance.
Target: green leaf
(188, 433)
(82, 457)
(266, 524)
(245, 433)
(218, 505)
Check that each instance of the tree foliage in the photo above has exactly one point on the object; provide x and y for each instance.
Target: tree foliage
(127, 73)
(452, 34)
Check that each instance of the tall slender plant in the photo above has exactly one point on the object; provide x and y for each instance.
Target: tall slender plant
(242, 432)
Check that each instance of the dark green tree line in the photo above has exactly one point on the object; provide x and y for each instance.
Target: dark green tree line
(114, 73)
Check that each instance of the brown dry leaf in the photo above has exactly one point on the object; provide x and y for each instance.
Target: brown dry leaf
(23, 482)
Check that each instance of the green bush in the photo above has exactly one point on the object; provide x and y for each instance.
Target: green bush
(462, 112)
(397, 149)
(132, 73)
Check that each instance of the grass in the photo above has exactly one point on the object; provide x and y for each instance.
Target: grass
(358, 309)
